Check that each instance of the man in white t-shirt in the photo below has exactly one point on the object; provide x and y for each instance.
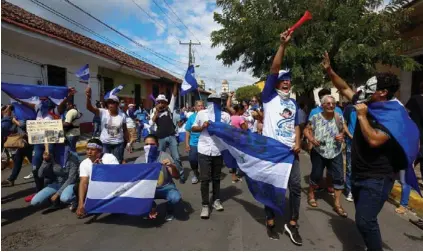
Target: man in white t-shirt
(281, 123)
(131, 125)
(209, 157)
(114, 133)
(95, 155)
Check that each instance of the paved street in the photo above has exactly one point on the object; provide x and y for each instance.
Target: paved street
(239, 227)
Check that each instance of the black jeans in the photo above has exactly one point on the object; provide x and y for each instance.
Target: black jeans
(294, 186)
(18, 160)
(369, 197)
(210, 169)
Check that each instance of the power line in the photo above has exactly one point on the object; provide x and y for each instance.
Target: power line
(170, 8)
(164, 12)
(146, 13)
(161, 56)
(122, 48)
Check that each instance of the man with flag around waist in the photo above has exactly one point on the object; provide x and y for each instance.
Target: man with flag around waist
(385, 141)
(281, 123)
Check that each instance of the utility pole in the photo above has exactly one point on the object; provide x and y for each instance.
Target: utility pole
(190, 60)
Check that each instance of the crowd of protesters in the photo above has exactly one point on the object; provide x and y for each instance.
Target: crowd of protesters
(328, 129)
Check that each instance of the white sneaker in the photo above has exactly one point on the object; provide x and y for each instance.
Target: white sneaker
(29, 176)
(205, 212)
(350, 197)
(217, 205)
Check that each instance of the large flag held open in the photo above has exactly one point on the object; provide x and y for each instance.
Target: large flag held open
(27, 92)
(266, 162)
(393, 116)
(127, 189)
(190, 83)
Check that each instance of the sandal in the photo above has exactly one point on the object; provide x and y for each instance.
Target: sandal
(340, 211)
(312, 203)
(401, 210)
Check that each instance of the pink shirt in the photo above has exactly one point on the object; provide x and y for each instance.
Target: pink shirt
(236, 121)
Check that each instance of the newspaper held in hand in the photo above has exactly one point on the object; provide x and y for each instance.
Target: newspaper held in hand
(45, 131)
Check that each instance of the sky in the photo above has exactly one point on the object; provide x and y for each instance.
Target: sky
(157, 31)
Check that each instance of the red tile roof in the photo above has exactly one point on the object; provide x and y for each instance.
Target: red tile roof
(15, 15)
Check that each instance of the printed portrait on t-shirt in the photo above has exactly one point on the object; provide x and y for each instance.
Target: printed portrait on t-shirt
(285, 126)
(112, 130)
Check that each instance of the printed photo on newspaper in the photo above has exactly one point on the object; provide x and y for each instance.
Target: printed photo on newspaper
(45, 131)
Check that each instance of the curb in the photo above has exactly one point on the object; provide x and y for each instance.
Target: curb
(80, 148)
(415, 202)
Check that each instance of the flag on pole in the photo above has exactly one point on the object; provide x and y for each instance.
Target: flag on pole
(84, 74)
(112, 94)
(394, 117)
(126, 189)
(266, 162)
(190, 83)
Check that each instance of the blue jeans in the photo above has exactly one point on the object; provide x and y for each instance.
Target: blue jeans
(170, 193)
(334, 165)
(172, 143)
(18, 160)
(44, 195)
(405, 190)
(348, 169)
(369, 197)
(72, 142)
(139, 131)
(193, 159)
(116, 149)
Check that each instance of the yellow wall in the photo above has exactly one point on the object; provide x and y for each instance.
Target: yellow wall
(127, 80)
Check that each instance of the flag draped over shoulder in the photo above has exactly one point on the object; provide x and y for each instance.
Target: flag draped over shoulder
(190, 83)
(394, 117)
(266, 162)
(27, 92)
(126, 189)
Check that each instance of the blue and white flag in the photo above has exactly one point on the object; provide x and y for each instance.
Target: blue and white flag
(394, 117)
(126, 189)
(181, 133)
(190, 83)
(266, 162)
(113, 93)
(27, 92)
(23, 112)
(83, 74)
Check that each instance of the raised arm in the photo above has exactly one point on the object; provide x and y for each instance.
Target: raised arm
(31, 105)
(270, 85)
(229, 104)
(337, 81)
(90, 107)
(173, 98)
(62, 106)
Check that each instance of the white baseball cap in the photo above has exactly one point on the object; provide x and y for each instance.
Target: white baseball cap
(161, 97)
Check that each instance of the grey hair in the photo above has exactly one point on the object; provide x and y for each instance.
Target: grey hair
(325, 98)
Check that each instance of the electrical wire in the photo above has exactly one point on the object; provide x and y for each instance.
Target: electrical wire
(161, 56)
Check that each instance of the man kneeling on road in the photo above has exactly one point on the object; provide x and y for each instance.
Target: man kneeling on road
(95, 155)
(166, 188)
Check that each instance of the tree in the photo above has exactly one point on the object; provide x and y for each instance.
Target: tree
(245, 93)
(355, 35)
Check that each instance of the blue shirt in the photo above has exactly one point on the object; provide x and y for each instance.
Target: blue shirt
(141, 115)
(351, 118)
(193, 140)
(319, 109)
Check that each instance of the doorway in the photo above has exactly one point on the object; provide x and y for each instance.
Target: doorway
(137, 97)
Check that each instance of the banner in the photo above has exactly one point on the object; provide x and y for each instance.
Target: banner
(45, 131)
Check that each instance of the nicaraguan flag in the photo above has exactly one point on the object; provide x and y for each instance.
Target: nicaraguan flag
(126, 189)
(393, 116)
(265, 161)
(83, 74)
(113, 93)
(27, 92)
(22, 112)
(190, 83)
(181, 133)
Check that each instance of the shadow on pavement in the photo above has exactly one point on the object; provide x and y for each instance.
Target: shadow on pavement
(229, 193)
(414, 238)
(16, 214)
(17, 195)
(346, 231)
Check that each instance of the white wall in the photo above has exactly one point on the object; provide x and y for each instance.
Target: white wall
(21, 72)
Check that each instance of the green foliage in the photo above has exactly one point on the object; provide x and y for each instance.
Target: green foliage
(245, 93)
(354, 34)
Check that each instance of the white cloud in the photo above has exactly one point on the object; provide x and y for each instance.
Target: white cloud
(194, 13)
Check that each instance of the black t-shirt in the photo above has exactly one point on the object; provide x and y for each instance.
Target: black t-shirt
(415, 106)
(165, 126)
(379, 162)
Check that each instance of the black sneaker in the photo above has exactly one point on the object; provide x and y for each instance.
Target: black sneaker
(273, 235)
(294, 235)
